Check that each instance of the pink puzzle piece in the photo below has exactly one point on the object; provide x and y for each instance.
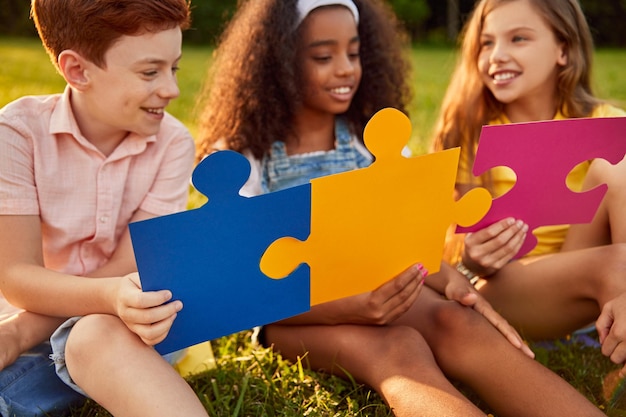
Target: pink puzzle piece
(542, 154)
(370, 224)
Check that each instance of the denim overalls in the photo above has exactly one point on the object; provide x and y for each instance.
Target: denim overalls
(280, 171)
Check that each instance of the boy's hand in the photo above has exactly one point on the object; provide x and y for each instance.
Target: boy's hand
(145, 313)
(489, 249)
(387, 302)
(611, 328)
(459, 289)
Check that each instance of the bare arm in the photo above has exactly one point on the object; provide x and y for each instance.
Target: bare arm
(27, 284)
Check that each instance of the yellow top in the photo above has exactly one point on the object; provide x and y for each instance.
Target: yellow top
(549, 238)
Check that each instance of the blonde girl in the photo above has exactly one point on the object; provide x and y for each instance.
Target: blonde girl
(521, 61)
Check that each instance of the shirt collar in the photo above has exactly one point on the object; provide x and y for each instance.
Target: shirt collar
(62, 120)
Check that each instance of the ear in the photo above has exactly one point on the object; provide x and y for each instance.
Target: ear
(74, 69)
(562, 58)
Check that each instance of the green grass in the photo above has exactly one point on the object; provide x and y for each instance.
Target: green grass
(251, 381)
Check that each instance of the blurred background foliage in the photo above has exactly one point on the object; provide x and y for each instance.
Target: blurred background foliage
(427, 21)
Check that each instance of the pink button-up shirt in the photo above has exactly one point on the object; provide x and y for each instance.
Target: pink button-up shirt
(85, 199)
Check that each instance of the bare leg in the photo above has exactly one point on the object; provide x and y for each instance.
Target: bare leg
(471, 350)
(393, 360)
(23, 331)
(551, 296)
(124, 375)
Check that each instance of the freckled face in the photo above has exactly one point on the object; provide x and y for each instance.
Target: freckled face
(519, 55)
(138, 81)
(330, 53)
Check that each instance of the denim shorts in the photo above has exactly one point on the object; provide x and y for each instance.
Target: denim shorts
(30, 387)
(58, 341)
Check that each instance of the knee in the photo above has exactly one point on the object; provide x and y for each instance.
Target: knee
(87, 337)
(616, 256)
(454, 325)
(612, 267)
(395, 345)
(394, 350)
(398, 344)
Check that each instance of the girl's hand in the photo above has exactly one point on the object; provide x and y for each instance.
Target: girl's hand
(145, 313)
(611, 328)
(387, 302)
(459, 289)
(489, 249)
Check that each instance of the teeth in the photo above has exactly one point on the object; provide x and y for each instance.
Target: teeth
(341, 90)
(504, 76)
(155, 111)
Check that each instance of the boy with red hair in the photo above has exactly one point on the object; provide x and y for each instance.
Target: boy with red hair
(75, 169)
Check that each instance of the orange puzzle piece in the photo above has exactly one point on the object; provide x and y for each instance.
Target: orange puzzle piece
(370, 224)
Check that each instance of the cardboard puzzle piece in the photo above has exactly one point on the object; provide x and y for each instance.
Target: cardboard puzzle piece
(209, 257)
(542, 154)
(370, 224)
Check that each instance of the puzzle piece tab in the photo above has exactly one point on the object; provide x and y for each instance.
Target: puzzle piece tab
(209, 257)
(370, 224)
(542, 154)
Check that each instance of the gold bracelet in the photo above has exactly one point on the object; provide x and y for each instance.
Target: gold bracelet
(471, 276)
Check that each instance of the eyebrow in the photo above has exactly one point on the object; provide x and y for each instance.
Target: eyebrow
(512, 30)
(315, 44)
(156, 61)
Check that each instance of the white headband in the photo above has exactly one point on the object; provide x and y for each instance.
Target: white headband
(307, 6)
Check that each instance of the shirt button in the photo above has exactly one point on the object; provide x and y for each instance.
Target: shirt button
(103, 219)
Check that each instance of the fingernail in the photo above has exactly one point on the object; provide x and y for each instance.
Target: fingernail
(424, 272)
(420, 266)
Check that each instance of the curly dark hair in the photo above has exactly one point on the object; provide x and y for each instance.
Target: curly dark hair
(253, 85)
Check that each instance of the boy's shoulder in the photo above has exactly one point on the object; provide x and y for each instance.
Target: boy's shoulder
(27, 107)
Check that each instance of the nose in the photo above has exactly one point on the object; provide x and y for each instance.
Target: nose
(346, 66)
(169, 87)
(499, 53)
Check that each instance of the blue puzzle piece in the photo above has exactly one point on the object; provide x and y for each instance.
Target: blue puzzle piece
(209, 257)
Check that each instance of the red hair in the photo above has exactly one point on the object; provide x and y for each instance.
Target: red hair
(90, 27)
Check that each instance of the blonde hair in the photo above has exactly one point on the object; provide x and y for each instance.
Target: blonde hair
(468, 104)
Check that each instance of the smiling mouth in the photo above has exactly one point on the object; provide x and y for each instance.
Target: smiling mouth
(154, 110)
(341, 90)
(504, 76)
